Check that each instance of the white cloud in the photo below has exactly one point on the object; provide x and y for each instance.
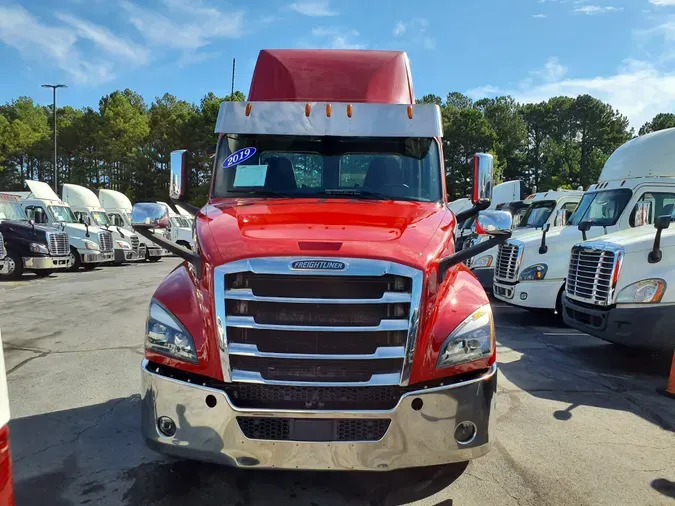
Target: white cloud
(539, 16)
(336, 38)
(54, 45)
(105, 39)
(662, 2)
(415, 30)
(399, 29)
(591, 10)
(313, 8)
(182, 26)
(638, 89)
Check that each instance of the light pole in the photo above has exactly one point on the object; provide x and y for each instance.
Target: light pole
(54, 87)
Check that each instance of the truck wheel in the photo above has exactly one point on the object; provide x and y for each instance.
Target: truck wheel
(89, 267)
(154, 259)
(185, 244)
(43, 273)
(14, 266)
(75, 260)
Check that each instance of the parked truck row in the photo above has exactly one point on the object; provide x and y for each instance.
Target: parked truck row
(42, 233)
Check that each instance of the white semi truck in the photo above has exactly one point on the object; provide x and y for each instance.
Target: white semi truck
(620, 288)
(180, 229)
(541, 211)
(530, 271)
(118, 207)
(89, 245)
(86, 206)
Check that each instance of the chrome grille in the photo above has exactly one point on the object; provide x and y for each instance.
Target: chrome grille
(591, 276)
(3, 251)
(135, 242)
(508, 258)
(105, 239)
(58, 243)
(284, 326)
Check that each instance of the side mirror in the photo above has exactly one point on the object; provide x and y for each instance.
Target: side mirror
(584, 227)
(483, 173)
(179, 175)
(661, 223)
(560, 218)
(31, 222)
(149, 215)
(494, 223)
(85, 219)
(642, 211)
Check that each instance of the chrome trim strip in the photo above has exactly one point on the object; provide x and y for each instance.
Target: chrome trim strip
(247, 294)
(325, 413)
(251, 350)
(280, 265)
(247, 322)
(375, 380)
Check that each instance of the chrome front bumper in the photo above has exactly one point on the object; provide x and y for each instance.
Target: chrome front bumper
(126, 255)
(414, 438)
(158, 252)
(3, 265)
(97, 258)
(39, 263)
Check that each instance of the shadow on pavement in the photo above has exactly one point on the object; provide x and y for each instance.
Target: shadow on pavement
(557, 363)
(95, 455)
(666, 487)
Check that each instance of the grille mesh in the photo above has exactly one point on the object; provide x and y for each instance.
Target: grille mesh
(106, 241)
(58, 243)
(135, 242)
(506, 267)
(590, 275)
(312, 430)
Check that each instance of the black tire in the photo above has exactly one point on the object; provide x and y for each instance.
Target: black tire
(89, 267)
(184, 244)
(154, 259)
(14, 266)
(75, 259)
(43, 273)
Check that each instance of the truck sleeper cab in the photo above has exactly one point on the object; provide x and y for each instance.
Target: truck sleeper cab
(620, 288)
(27, 247)
(118, 208)
(89, 245)
(323, 319)
(86, 207)
(532, 268)
(538, 211)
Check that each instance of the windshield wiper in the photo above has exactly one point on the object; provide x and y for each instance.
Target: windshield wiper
(261, 193)
(362, 194)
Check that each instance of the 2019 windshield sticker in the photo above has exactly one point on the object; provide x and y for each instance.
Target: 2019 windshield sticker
(238, 156)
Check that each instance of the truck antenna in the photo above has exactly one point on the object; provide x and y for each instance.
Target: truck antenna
(234, 63)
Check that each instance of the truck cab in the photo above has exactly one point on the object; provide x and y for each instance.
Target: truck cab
(531, 270)
(27, 247)
(180, 228)
(89, 244)
(86, 206)
(323, 319)
(118, 207)
(538, 211)
(619, 288)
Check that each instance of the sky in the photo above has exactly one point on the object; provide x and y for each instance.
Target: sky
(620, 51)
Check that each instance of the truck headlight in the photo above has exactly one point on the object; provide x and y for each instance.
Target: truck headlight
(36, 247)
(91, 245)
(165, 335)
(472, 340)
(647, 291)
(534, 272)
(123, 244)
(484, 261)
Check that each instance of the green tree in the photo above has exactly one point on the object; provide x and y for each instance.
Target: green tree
(660, 122)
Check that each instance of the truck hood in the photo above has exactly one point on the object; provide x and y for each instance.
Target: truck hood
(634, 240)
(79, 230)
(23, 229)
(398, 231)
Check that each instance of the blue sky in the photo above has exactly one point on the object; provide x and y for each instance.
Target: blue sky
(622, 51)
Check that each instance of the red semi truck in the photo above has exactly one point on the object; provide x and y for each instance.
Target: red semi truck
(323, 319)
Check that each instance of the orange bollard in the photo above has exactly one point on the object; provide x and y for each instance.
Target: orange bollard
(670, 389)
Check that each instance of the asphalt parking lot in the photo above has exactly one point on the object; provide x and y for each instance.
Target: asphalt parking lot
(579, 421)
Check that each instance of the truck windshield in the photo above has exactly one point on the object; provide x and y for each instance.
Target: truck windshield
(601, 208)
(12, 211)
(100, 218)
(328, 167)
(62, 214)
(537, 215)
